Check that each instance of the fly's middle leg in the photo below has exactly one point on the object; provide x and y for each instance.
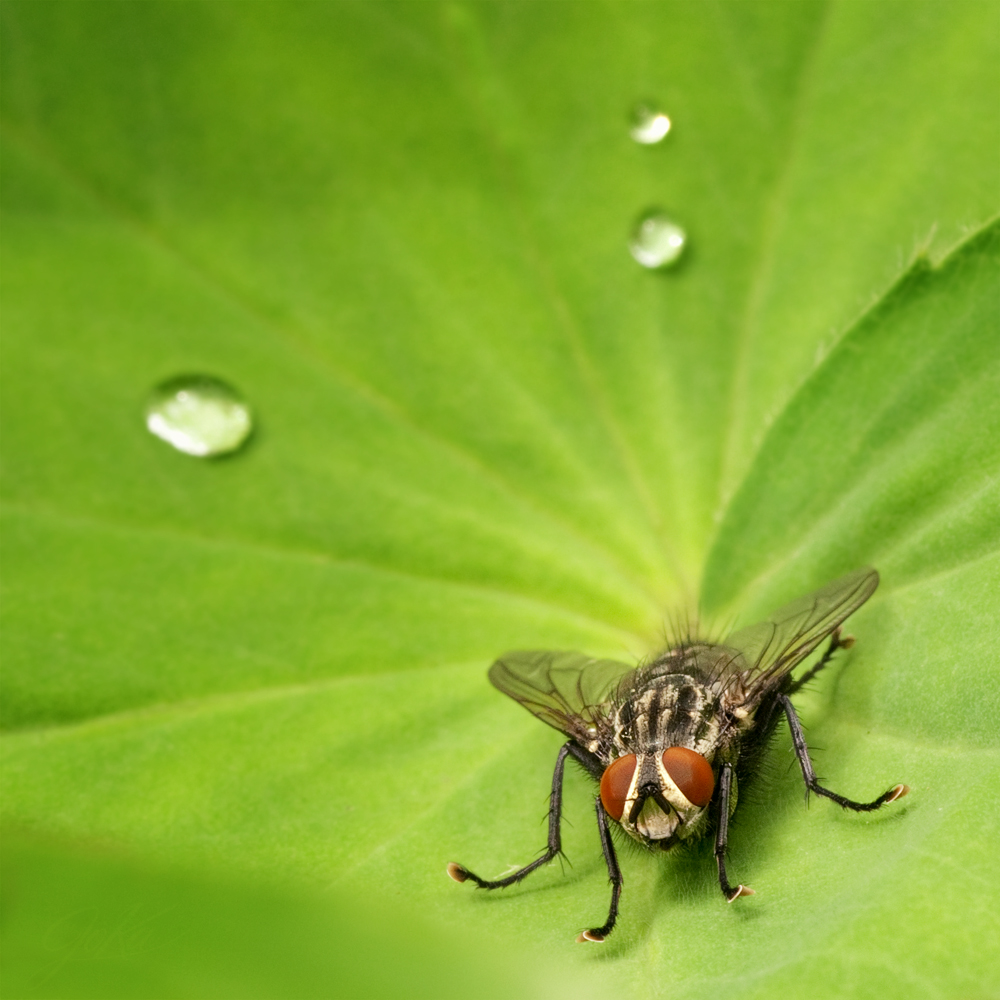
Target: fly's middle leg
(809, 775)
(462, 874)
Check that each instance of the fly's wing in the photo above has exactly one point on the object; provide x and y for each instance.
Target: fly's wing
(570, 691)
(766, 652)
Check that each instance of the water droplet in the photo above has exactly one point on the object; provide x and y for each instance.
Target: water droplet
(649, 124)
(657, 241)
(199, 415)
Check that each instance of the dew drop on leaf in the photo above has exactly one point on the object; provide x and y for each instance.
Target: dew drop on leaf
(199, 415)
(657, 241)
(649, 124)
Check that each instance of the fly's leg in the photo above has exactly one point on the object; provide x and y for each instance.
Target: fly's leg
(812, 782)
(837, 641)
(722, 837)
(597, 934)
(461, 874)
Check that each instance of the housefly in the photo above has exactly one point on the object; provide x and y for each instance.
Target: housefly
(671, 741)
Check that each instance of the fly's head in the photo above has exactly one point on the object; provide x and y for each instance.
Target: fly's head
(659, 797)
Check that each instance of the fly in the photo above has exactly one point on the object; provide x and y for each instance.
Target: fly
(670, 742)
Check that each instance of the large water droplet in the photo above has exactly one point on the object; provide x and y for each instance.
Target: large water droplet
(649, 124)
(657, 241)
(199, 415)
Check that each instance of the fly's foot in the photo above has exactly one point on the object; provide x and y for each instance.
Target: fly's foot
(740, 890)
(457, 872)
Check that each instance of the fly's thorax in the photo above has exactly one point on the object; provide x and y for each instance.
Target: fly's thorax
(593, 743)
(673, 709)
(707, 679)
(661, 780)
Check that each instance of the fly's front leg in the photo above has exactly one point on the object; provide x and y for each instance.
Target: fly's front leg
(597, 934)
(462, 874)
(722, 837)
(812, 782)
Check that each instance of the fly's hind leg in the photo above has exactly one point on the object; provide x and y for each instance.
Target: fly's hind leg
(837, 641)
(461, 874)
(809, 775)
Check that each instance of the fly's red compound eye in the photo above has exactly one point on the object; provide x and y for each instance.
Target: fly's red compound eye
(615, 783)
(690, 772)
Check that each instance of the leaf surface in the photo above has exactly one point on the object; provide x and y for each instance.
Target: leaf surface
(400, 230)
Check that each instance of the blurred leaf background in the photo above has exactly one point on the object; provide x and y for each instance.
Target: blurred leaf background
(246, 722)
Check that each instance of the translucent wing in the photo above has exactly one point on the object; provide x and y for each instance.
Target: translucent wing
(770, 649)
(570, 691)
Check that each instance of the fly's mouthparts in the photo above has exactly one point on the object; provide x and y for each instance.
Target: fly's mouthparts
(637, 807)
(658, 819)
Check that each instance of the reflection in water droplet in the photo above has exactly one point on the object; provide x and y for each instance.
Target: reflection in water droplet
(657, 241)
(199, 415)
(649, 124)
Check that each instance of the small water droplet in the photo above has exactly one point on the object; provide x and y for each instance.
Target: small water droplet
(199, 415)
(657, 241)
(649, 124)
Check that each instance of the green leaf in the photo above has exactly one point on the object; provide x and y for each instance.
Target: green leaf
(85, 922)
(400, 230)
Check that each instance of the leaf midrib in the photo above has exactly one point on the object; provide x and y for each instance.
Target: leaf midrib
(770, 229)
